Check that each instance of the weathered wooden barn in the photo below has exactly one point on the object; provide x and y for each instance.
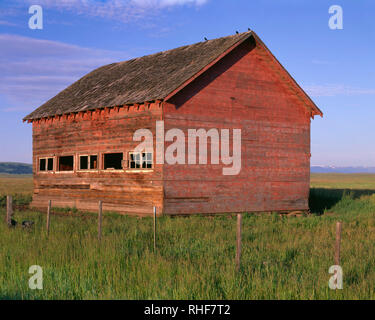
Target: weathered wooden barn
(83, 137)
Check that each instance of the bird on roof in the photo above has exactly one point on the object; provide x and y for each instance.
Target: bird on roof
(248, 29)
(237, 32)
(205, 39)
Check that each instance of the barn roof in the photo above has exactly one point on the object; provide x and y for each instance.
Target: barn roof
(149, 78)
(138, 80)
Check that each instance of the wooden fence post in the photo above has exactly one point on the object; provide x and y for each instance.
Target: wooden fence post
(239, 236)
(100, 220)
(48, 215)
(154, 228)
(338, 241)
(9, 210)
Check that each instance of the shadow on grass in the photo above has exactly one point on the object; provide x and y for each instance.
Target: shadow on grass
(322, 198)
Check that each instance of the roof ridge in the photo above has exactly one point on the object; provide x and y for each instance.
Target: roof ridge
(187, 45)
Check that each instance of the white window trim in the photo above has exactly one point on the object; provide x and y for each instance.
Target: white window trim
(88, 163)
(46, 167)
(129, 169)
(137, 170)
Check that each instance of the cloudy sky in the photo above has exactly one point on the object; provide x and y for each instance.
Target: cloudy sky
(336, 67)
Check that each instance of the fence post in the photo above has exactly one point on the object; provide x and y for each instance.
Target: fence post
(9, 210)
(338, 241)
(154, 228)
(100, 220)
(48, 215)
(239, 236)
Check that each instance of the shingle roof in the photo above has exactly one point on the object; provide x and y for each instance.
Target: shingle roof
(138, 80)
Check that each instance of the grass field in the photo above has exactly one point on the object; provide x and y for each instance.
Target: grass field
(343, 181)
(283, 258)
(16, 184)
(19, 186)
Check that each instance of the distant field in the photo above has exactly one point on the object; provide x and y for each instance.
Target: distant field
(283, 258)
(16, 184)
(343, 180)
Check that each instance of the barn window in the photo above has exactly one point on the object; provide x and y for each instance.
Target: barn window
(42, 164)
(83, 162)
(66, 163)
(113, 161)
(140, 160)
(46, 164)
(88, 162)
(50, 164)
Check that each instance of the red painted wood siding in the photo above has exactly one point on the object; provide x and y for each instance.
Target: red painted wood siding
(242, 91)
(103, 132)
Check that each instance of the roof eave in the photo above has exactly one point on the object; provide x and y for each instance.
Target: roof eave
(309, 102)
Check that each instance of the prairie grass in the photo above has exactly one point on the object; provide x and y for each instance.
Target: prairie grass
(16, 184)
(19, 186)
(343, 181)
(282, 258)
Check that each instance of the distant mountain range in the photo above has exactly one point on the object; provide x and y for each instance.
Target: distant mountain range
(25, 168)
(15, 168)
(332, 169)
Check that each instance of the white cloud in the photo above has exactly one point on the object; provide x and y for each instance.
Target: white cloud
(32, 71)
(120, 10)
(167, 3)
(330, 90)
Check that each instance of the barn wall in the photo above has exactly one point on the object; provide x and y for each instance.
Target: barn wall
(242, 91)
(97, 133)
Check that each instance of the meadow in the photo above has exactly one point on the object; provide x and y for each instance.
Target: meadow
(282, 257)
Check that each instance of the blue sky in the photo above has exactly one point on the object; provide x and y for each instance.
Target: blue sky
(336, 67)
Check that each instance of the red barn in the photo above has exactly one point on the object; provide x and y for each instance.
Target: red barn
(83, 146)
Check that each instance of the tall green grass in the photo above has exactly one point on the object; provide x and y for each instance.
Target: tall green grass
(17, 200)
(283, 258)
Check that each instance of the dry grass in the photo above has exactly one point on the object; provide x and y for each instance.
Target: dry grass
(16, 184)
(343, 181)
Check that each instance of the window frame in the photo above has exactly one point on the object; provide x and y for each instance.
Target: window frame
(46, 164)
(102, 165)
(130, 169)
(58, 163)
(88, 162)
